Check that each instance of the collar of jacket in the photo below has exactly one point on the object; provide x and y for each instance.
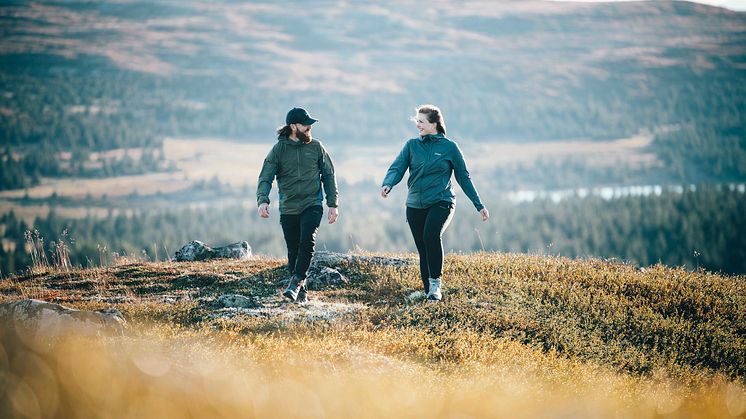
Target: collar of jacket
(287, 140)
(432, 137)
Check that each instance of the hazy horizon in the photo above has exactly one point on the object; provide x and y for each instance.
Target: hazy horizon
(737, 5)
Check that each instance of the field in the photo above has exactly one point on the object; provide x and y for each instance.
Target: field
(237, 165)
(515, 336)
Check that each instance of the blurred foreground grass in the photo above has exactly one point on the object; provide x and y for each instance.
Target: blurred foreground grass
(515, 336)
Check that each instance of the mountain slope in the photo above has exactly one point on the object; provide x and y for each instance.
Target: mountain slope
(522, 70)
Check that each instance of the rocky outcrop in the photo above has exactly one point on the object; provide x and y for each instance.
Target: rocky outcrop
(35, 320)
(235, 301)
(326, 266)
(320, 277)
(334, 259)
(196, 250)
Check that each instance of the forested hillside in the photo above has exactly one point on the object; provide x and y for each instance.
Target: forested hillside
(93, 90)
(699, 228)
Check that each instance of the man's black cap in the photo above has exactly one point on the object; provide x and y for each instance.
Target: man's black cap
(299, 116)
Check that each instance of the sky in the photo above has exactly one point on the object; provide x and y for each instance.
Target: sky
(730, 4)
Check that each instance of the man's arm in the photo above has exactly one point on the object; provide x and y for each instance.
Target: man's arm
(328, 178)
(329, 181)
(264, 184)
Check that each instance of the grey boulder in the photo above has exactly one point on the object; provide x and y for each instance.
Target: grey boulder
(236, 301)
(196, 250)
(326, 266)
(40, 321)
(323, 276)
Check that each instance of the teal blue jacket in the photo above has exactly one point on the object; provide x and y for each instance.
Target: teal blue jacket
(431, 160)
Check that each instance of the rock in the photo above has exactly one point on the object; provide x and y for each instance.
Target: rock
(329, 259)
(236, 301)
(322, 276)
(36, 321)
(196, 250)
(324, 269)
(334, 260)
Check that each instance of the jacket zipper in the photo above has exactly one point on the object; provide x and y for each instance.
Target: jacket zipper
(297, 153)
(428, 147)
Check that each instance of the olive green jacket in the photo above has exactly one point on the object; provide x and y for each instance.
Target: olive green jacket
(301, 170)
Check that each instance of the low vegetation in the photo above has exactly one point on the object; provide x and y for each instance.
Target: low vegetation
(516, 335)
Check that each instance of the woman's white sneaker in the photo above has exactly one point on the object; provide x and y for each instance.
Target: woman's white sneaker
(434, 293)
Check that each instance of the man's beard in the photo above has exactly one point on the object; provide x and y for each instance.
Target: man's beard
(304, 137)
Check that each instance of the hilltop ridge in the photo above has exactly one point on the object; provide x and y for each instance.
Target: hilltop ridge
(630, 319)
(523, 335)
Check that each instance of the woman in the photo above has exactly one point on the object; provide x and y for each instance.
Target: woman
(431, 159)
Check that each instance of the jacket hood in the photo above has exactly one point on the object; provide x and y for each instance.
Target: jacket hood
(288, 141)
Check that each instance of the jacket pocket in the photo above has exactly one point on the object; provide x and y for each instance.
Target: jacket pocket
(309, 162)
(445, 205)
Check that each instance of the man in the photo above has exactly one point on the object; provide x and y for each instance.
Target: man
(301, 166)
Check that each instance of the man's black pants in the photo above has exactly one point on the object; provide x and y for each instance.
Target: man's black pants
(428, 225)
(300, 237)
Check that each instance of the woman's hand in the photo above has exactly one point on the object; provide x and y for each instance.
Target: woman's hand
(385, 191)
(485, 214)
(264, 210)
(333, 214)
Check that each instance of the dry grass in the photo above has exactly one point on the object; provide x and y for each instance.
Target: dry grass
(633, 151)
(516, 336)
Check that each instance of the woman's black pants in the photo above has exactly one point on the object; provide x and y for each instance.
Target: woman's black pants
(300, 236)
(428, 225)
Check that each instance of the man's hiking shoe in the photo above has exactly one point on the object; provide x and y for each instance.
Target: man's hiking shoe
(302, 295)
(294, 286)
(434, 292)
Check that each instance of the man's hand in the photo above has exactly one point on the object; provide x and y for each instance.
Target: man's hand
(264, 210)
(333, 215)
(385, 191)
(485, 214)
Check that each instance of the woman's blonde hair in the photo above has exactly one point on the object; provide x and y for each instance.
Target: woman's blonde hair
(434, 116)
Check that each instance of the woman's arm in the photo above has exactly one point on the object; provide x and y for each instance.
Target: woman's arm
(397, 169)
(464, 178)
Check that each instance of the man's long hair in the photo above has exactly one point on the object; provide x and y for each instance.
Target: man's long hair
(286, 130)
